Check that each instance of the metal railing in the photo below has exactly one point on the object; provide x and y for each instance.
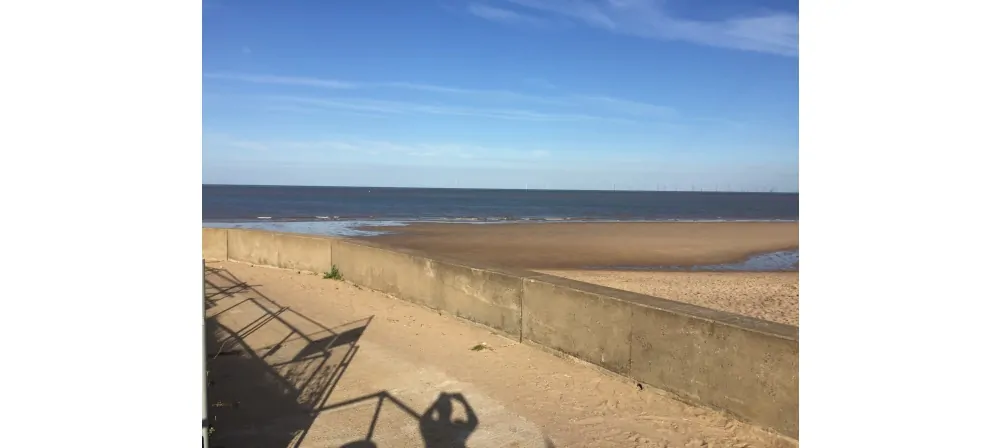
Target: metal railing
(204, 364)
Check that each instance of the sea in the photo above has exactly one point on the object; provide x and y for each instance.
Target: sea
(343, 211)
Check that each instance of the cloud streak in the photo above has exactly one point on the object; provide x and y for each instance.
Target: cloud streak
(773, 33)
(229, 141)
(504, 15)
(283, 80)
(616, 104)
(366, 147)
(629, 109)
(400, 107)
(499, 95)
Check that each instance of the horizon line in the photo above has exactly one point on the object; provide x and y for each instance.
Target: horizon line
(772, 191)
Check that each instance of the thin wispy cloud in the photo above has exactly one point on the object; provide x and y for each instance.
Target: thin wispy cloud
(605, 107)
(284, 80)
(400, 107)
(774, 33)
(338, 84)
(232, 142)
(539, 83)
(628, 107)
(500, 95)
(357, 146)
(504, 15)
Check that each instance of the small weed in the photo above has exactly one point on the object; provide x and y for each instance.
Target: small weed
(479, 347)
(334, 274)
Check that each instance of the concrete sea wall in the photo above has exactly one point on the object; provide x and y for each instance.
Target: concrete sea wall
(734, 363)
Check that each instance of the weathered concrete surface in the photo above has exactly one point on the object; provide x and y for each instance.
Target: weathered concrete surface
(485, 297)
(280, 250)
(489, 298)
(213, 244)
(753, 374)
(302, 253)
(587, 325)
(252, 246)
(296, 360)
(399, 274)
(742, 365)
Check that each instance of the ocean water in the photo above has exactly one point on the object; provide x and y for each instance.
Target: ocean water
(247, 204)
(342, 211)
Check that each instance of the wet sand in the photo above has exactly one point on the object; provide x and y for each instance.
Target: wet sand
(568, 246)
(573, 250)
(771, 296)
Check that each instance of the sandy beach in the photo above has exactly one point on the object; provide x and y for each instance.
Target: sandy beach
(771, 296)
(572, 250)
(587, 245)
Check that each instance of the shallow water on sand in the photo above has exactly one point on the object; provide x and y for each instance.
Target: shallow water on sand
(782, 261)
(323, 228)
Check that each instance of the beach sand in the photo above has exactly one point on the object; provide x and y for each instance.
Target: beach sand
(567, 246)
(572, 250)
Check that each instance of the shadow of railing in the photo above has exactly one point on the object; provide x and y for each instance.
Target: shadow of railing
(266, 396)
(270, 396)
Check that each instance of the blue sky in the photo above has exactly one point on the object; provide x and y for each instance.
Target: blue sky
(636, 94)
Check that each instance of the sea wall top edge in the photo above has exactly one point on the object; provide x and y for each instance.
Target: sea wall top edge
(746, 323)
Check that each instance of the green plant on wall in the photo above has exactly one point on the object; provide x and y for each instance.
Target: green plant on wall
(334, 273)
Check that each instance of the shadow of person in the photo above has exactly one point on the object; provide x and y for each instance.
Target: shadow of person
(438, 428)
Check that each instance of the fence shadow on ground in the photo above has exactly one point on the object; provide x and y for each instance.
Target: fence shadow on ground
(270, 396)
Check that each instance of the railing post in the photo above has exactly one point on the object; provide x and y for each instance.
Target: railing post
(204, 364)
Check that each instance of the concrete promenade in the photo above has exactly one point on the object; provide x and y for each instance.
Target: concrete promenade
(298, 360)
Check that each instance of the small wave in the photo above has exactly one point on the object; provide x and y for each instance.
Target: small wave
(323, 228)
(472, 219)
